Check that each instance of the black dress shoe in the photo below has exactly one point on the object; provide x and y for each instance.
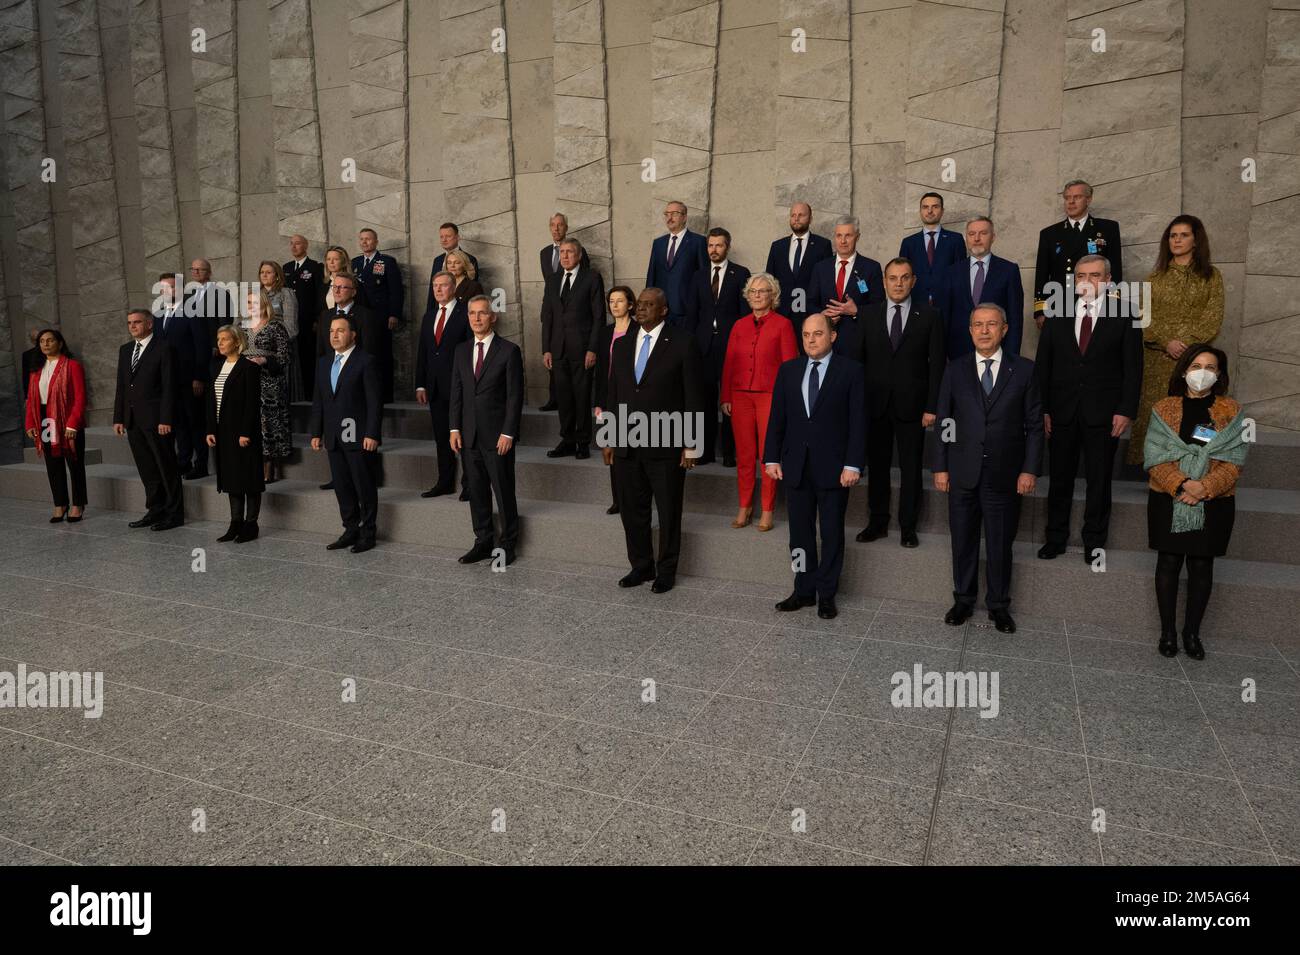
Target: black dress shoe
(510, 556)
(361, 546)
(1168, 645)
(1192, 646)
(826, 609)
(635, 579)
(436, 491)
(549, 406)
(247, 532)
(145, 521)
(728, 462)
(870, 533)
(703, 460)
(195, 473)
(583, 452)
(909, 539)
(1050, 551)
(327, 486)
(796, 601)
(347, 540)
(231, 532)
(475, 554)
(1090, 554)
(612, 509)
(662, 585)
(561, 450)
(958, 614)
(1002, 621)
(167, 525)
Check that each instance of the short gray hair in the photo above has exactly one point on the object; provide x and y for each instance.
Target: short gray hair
(1105, 262)
(974, 219)
(1077, 182)
(772, 283)
(561, 216)
(848, 220)
(992, 307)
(478, 298)
(573, 242)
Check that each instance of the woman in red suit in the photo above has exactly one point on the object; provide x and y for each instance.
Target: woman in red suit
(758, 344)
(56, 413)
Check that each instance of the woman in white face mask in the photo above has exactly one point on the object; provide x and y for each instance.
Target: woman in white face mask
(1194, 452)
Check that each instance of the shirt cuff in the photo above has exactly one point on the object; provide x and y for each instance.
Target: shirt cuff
(694, 452)
(510, 436)
(849, 467)
(455, 430)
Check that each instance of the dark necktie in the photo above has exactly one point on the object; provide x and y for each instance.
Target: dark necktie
(478, 364)
(929, 248)
(1085, 329)
(896, 327)
(672, 250)
(135, 357)
(564, 288)
(814, 385)
(986, 379)
(978, 288)
(716, 284)
(798, 253)
(555, 258)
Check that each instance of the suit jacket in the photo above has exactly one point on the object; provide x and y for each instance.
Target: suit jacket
(1000, 436)
(864, 284)
(383, 283)
(816, 248)
(186, 336)
(709, 321)
(571, 328)
(433, 359)
(372, 330)
(832, 438)
(675, 281)
(308, 283)
(1001, 285)
(949, 247)
(437, 267)
(671, 382)
(146, 397)
(211, 308)
(357, 399)
(1104, 382)
(902, 384)
(546, 254)
(491, 406)
(1060, 247)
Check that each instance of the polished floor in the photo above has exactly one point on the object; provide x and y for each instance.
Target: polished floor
(293, 705)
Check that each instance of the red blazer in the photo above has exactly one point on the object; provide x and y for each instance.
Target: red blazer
(66, 404)
(755, 350)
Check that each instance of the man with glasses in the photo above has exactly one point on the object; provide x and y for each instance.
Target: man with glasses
(675, 258)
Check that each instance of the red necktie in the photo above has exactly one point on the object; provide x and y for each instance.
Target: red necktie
(839, 282)
(442, 322)
(1085, 329)
(478, 364)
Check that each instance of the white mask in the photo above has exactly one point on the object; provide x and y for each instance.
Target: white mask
(1201, 379)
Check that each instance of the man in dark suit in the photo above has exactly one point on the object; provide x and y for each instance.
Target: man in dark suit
(443, 328)
(449, 239)
(901, 348)
(487, 399)
(1090, 373)
(931, 250)
(345, 421)
(144, 408)
(209, 306)
(306, 277)
(654, 381)
(1062, 244)
(981, 277)
(382, 278)
(815, 442)
(550, 263)
(716, 301)
(989, 453)
(845, 284)
(674, 259)
(573, 313)
(367, 325)
(185, 337)
(791, 260)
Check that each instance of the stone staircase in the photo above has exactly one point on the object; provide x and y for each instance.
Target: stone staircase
(562, 505)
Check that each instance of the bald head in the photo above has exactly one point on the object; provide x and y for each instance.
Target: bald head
(651, 308)
(800, 218)
(818, 335)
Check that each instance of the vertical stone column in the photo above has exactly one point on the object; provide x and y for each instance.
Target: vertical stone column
(216, 134)
(160, 223)
(331, 43)
(814, 99)
(631, 138)
(1267, 378)
(684, 63)
(426, 88)
(878, 123)
(300, 188)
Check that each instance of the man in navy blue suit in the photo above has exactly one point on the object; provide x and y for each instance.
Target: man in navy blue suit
(979, 277)
(931, 250)
(445, 326)
(715, 304)
(185, 335)
(674, 259)
(381, 278)
(844, 285)
(816, 443)
(345, 419)
(791, 262)
(990, 448)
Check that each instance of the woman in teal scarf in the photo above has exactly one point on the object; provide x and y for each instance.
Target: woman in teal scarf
(1193, 453)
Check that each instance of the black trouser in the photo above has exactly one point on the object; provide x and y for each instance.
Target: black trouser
(811, 507)
(1200, 581)
(353, 475)
(718, 438)
(998, 511)
(244, 508)
(1096, 445)
(58, 467)
(440, 414)
(613, 484)
(641, 481)
(307, 355)
(491, 474)
(573, 393)
(155, 459)
(882, 434)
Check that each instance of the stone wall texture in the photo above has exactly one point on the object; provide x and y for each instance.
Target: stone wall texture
(497, 113)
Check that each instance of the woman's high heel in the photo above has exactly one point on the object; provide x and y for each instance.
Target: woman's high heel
(743, 518)
(73, 518)
(766, 521)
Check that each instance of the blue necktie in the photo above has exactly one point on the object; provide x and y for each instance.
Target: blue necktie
(642, 357)
(814, 384)
(334, 372)
(986, 379)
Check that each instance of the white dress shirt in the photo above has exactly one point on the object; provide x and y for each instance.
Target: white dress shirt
(1097, 308)
(794, 245)
(973, 271)
(46, 374)
(993, 368)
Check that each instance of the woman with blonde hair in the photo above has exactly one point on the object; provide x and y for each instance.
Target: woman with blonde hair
(465, 274)
(269, 348)
(284, 305)
(235, 433)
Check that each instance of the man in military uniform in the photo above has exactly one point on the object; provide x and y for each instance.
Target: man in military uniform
(382, 279)
(1063, 243)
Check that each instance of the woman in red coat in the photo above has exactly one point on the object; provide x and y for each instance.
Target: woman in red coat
(757, 346)
(56, 423)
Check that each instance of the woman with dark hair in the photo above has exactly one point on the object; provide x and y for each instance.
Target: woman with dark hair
(235, 433)
(56, 422)
(1193, 452)
(621, 301)
(1186, 306)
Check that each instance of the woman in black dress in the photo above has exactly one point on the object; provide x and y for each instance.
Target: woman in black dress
(622, 303)
(235, 432)
(269, 345)
(1196, 429)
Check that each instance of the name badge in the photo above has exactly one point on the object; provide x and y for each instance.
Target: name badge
(862, 287)
(1092, 246)
(1203, 433)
